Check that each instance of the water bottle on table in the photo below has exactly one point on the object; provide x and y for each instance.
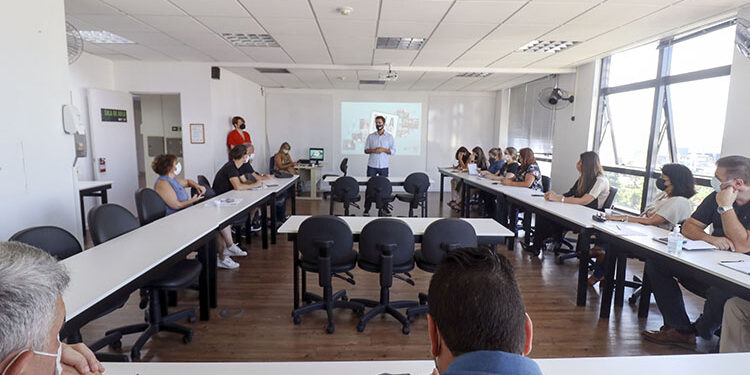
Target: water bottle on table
(674, 240)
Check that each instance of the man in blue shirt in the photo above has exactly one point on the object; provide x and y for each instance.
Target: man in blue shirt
(477, 321)
(379, 145)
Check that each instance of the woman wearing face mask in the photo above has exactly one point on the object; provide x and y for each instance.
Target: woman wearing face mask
(509, 167)
(170, 187)
(669, 208)
(462, 157)
(238, 136)
(282, 161)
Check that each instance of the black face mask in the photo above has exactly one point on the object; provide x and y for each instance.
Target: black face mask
(242, 126)
(660, 184)
(379, 127)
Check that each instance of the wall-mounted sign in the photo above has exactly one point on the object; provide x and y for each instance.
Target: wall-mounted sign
(114, 115)
(197, 134)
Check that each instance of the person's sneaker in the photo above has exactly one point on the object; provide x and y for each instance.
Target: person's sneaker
(227, 263)
(234, 250)
(255, 226)
(670, 336)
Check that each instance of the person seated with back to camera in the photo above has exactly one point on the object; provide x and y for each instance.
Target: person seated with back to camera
(727, 209)
(32, 313)
(477, 321)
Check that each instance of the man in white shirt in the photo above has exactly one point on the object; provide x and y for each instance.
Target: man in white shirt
(379, 145)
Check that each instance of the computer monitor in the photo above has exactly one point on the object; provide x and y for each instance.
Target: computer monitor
(316, 155)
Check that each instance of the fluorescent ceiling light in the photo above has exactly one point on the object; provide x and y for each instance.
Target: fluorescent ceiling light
(104, 37)
(371, 82)
(547, 46)
(473, 75)
(250, 40)
(400, 43)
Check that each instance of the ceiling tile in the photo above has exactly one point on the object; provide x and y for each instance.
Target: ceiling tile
(472, 31)
(140, 52)
(118, 57)
(217, 8)
(431, 80)
(518, 60)
(146, 7)
(278, 8)
(413, 10)
(348, 55)
(169, 24)
(395, 57)
(406, 29)
(313, 78)
(245, 25)
(184, 53)
(354, 29)
(266, 54)
(115, 23)
(96, 49)
(287, 80)
(361, 9)
(151, 38)
(482, 11)
(307, 49)
(552, 13)
(457, 83)
(255, 76)
(79, 7)
(290, 26)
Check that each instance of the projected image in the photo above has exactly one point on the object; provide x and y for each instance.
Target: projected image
(402, 120)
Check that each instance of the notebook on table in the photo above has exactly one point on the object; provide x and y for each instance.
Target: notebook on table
(737, 265)
(689, 244)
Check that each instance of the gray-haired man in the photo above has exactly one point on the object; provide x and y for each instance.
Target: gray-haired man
(32, 313)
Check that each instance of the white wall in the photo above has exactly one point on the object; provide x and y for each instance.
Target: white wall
(312, 118)
(737, 125)
(571, 138)
(36, 157)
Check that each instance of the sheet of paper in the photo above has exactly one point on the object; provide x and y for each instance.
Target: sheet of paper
(741, 266)
(623, 230)
(224, 202)
(698, 245)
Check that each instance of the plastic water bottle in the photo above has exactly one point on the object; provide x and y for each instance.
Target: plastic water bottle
(674, 240)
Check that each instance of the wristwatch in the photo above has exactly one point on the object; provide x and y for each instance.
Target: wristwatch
(722, 209)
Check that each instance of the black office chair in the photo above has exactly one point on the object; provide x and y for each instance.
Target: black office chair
(518, 216)
(546, 181)
(109, 221)
(203, 181)
(386, 247)
(343, 167)
(415, 185)
(346, 191)
(380, 192)
(61, 244)
(561, 255)
(326, 247)
(438, 239)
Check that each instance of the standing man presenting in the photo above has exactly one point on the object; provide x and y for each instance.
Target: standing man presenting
(379, 145)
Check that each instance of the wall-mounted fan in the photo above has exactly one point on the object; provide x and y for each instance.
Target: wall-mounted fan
(742, 37)
(555, 98)
(75, 43)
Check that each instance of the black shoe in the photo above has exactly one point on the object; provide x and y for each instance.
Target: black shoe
(365, 213)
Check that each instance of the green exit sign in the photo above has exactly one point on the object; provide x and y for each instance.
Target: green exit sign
(114, 115)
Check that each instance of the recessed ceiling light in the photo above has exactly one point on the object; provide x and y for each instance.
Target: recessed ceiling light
(345, 10)
(103, 37)
(547, 46)
(273, 70)
(371, 82)
(341, 78)
(250, 40)
(474, 75)
(400, 43)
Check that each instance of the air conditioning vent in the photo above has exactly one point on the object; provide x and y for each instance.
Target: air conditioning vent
(273, 70)
(372, 82)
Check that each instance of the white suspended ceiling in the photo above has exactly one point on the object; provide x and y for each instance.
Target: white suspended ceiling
(462, 34)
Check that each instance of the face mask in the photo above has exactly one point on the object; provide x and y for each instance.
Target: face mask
(58, 358)
(660, 184)
(286, 151)
(242, 126)
(716, 184)
(178, 168)
(247, 158)
(379, 127)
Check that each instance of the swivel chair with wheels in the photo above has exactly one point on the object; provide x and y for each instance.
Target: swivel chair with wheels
(380, 192)
(343, 167)
(326, 247)
(561, 255)
(346, 191)
(415, 185)
(386, 247)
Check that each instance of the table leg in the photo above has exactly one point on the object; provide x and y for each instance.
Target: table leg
(295, 272)
(442, 179)
(645, 302)
(203, 283)
(313, 182)
(264, 224)
(527, 213)
(212, 268)
(582, 248)
(293, 189)
(83, 215)
(622, 264)
(465, 200)
(273, 218)
(609, 283)
(104, 196)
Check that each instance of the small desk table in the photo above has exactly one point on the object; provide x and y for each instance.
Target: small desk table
(314, 172)
(92, 189)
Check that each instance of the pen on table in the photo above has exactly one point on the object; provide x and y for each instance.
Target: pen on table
(618, 227)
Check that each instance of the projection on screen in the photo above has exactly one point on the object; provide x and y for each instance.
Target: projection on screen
(402, 120)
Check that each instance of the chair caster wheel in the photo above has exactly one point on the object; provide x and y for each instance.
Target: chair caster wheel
(296, 319)
(187, 339)
(192, 319)
(360, 327)
(405, 330)
(117, 345)
(330, 329)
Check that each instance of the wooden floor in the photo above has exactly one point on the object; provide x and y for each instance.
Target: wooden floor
(257, 300)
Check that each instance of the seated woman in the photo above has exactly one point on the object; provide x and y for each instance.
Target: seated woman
(476, 157)
(462, 157)
(670, 207)
(528, 174)
(171, 188)
(510, 165)
(591, 189)
(282, 161)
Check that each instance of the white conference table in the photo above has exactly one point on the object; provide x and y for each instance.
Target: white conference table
(639, 239)
(488, 231)
(692, 364)
(121, 265)
(362, 180)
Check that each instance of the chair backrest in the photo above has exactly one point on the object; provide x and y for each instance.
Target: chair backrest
(344, 188)
(380, 232)
(546, 181)
(417, 183)
(55, 241)
(378, 187)
(109, 221)
(203, 181)
(324, 228)
(344, 165)
(611, 198)
(444, 235)
(149, 205)
(271, 165)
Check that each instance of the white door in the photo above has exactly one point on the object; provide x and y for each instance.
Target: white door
(113, 144)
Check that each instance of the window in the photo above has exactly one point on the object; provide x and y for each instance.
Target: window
(664, 103)
(531, 125)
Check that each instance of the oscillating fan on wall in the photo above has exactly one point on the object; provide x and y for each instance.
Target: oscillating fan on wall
(554, 98)
(75, 43)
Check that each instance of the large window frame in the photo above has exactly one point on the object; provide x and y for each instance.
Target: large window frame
(662, 125)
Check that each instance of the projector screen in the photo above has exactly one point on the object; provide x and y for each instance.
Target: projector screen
(402, 120)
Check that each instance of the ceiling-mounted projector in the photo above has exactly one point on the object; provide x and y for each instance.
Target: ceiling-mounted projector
(390, 76)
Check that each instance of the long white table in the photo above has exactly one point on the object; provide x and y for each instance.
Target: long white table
(694, 364)
(488, 231)
(119, 266)
(362, 180)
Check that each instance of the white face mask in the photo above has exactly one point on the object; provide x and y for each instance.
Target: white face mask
(716, 184)
(58, 358)
(247, 158)
(178, 168)
(286, 151)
